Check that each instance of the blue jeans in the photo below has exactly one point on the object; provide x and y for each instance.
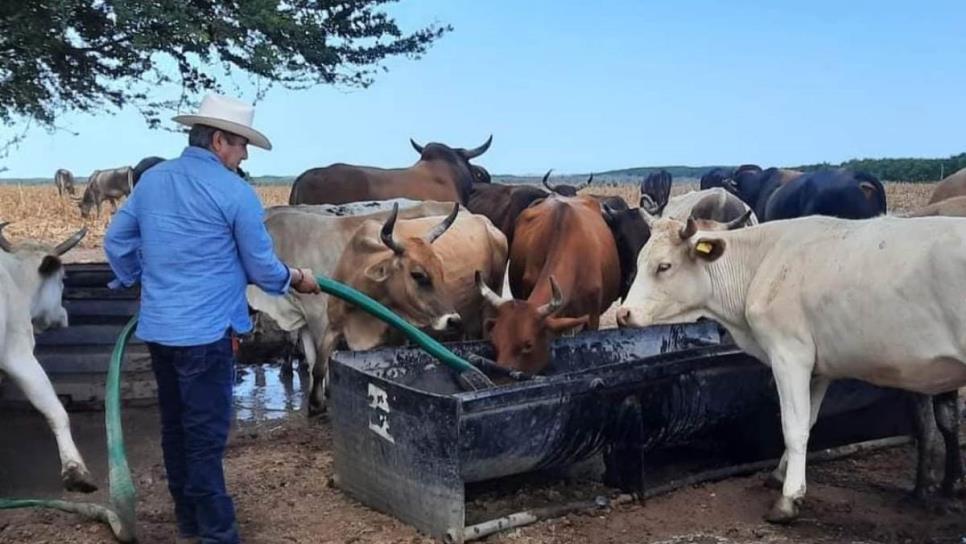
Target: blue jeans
(194, 397)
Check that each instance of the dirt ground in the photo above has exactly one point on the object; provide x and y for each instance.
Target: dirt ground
(279, 471)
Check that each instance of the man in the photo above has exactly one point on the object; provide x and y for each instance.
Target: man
(192, 234)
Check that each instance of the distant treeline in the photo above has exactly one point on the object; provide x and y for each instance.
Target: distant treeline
(899, 169)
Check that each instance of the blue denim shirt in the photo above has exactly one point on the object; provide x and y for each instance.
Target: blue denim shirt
(192, 233)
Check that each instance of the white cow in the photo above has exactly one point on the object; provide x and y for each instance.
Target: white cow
(31, 285)
(817, 299)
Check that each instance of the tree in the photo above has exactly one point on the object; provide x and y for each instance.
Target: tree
(93, 55)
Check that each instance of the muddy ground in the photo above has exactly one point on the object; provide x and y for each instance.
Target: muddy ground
(279, 469)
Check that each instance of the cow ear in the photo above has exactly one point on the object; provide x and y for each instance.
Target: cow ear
(48, 266)
(708, 249)
(380, 271)
(562, 324)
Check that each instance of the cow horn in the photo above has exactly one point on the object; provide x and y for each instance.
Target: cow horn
(689, 229)
(648, 203)
(387, 229)
(556, 300)
(417, 147)
(4, 243)
(547, 183)
(739, 222)
(439, 229)
(69, 243)
(648, 218)
(476, 152)
(489, 296)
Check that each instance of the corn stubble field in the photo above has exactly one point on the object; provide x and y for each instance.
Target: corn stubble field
(38, 213)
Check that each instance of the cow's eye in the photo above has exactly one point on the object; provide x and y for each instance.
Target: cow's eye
(663, 267)
(421, 279)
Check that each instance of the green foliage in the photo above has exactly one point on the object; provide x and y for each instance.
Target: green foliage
(899, 169)
(92, 55)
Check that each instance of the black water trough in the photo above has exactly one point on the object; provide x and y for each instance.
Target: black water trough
(407, 439)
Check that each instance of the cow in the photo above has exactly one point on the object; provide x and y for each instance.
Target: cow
(781, 194)
(564, 273)
(797, 295)
(950, 207)
(716, 177)
(142, 166)
(425, 277)
(31, 286)
(951, 186)
(502, 204)
(471, 241)
(64, 181)
(104, 185)
(442, 173)
(655, 190)
(563, 189)
(713, 208)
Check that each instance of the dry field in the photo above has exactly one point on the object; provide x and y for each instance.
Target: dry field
(37, 212)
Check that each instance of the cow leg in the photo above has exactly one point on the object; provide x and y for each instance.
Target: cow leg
(24, 369)
(817, 392)
(946, 407)
(318, 382)
(924, 428)
(793, 374)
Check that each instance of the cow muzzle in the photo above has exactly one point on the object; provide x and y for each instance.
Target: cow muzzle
(629, 317)
(49, 322)
(449, 323)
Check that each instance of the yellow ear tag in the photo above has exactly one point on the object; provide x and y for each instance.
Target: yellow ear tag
(703, 247)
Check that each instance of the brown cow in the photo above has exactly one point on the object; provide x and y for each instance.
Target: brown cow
(949, 207)
(953, 185)
(442, 173)
(564, 272)
(419, 273)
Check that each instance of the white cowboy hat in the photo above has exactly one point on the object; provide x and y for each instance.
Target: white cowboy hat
(227, 114)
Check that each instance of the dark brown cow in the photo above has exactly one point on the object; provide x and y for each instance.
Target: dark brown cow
(502, 204)
(564, 272)
(953, 185)
(442, 173)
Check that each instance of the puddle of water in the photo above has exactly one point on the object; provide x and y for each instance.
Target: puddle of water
(264, 392)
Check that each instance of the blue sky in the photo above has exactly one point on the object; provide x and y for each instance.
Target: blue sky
(582, 87)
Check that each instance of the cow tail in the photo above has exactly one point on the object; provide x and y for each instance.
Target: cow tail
(880, 189)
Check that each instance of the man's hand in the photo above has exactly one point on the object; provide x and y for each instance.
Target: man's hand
(303, 281)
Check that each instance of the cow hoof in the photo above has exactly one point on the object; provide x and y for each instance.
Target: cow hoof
(784, 511)
(316, 409)
(774, 482)
(77, 478)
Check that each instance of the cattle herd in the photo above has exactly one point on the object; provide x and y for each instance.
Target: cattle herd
(806, 271)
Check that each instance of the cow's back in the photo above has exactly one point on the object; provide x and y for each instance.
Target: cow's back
(716, 204)
(344, 183)
(952, 186)
(566, 237)
(834, 193)
(886, 290)
(949, 207)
